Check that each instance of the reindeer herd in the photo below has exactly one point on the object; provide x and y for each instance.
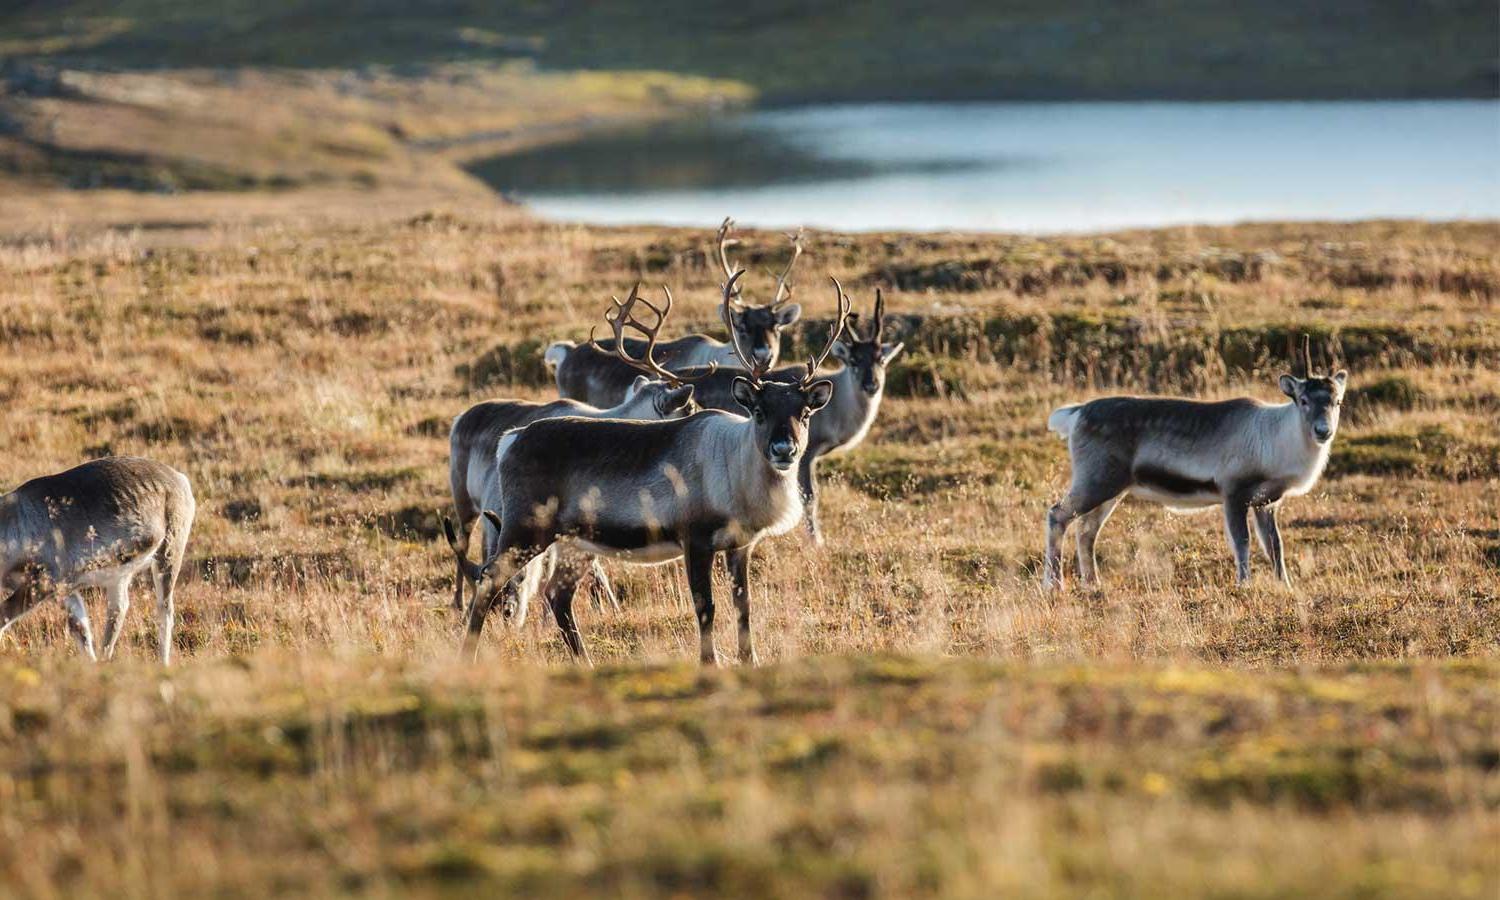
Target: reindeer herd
(685, 449)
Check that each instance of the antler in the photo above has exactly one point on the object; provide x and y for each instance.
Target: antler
(621, 316)
(725, 242)
(756, 370)
(1307, 367)
(783, 291)
(834, 330)
(873, 335)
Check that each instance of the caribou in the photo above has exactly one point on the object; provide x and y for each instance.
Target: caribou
(858, 386)
(651, 492)
(95, 525)
(474, 478)
(583, 370)
(1244, 455)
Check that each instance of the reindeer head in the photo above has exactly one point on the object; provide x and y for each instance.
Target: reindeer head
(780, 411)
(650, 398)
(1318, 398)
(757, 329)
(657, 393)
(865, 354)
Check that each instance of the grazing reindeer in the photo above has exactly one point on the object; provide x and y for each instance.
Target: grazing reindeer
(651, 492)
(95, 525)
(474, 479)
(582, 370)
(1188, 455)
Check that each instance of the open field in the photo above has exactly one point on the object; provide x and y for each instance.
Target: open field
(928, 721)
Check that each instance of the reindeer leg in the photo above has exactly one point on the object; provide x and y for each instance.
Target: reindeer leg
(739, 573)
(700, 570)
(23, 599)
(1268, 530)
(1237, 529)
(807, 479)
(78, 625)
(517, 555)
(1088, 531)
(465, 511)
(600, 591)
(117, 603)
(560, 597)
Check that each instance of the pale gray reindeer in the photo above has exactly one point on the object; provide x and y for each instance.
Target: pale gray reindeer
(583, 371)
(474, 477)
(651, 492)
(1189, 455)
(95, 525)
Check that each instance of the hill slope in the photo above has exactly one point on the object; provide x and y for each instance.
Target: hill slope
(864, 49)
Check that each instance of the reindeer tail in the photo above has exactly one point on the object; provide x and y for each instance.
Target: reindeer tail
(557, 351)
(1063, 419)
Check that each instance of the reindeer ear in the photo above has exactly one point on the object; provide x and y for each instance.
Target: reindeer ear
(678, 398)
(744, 393)
(889, 352)
(636, 385)
(1289, 385)
(840, 351)
(494, 519)
(1340, 378)
(819, 394)
(788, 314)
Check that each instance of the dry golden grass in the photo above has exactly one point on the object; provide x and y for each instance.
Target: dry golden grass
(1169, 734)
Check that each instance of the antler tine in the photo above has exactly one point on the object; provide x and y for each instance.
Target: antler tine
(621, 317)
(834, 330)
(879, 324)
(756, 370)
(725, 242)
(1307, 367)
(783, 292)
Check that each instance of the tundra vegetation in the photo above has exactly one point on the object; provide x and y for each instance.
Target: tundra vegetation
(926, 720)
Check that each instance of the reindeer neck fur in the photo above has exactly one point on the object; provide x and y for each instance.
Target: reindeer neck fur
(844, 422)
(762, 500)
(1288, 451)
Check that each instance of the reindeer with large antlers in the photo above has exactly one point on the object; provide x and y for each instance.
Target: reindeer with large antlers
(858, 387)
(475, 479)
(650, 492)
(582, 370)
(1244, 455)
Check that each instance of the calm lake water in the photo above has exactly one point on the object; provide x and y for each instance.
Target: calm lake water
(1027, 166)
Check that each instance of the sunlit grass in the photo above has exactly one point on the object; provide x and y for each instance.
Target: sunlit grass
(929, 721)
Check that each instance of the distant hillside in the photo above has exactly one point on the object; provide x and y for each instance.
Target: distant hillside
(1042, 49)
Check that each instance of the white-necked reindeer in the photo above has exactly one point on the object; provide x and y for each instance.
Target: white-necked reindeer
(95, 525)
(1190, 455)
(651, 492)
(858, 387)
(474, 477)
(582, 370)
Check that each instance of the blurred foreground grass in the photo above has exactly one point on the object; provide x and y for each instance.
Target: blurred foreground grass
(854, 777)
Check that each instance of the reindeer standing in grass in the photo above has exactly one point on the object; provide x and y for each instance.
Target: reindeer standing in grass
(652, 492)
(474, 476)
(1244, 455)
(95, 525)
